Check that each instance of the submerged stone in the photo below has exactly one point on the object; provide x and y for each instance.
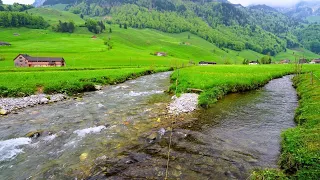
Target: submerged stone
(3, 112)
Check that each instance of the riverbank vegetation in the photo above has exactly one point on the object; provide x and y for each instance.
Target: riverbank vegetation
(217, 81)
(300, 153)
(20, 84)
(300, 146)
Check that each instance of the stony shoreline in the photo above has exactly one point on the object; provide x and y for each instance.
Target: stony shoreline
(186, 103)
(8, 105)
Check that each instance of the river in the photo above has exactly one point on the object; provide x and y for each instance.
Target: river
(103, 135)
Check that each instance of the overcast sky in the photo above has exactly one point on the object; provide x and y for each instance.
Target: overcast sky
(243, 2)
(280, 3)
(18, 1)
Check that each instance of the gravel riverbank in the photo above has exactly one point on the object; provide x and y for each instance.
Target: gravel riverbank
(185, 103)
(7, 105)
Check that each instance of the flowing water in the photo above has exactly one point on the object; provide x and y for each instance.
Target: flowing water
(238, 134)
(76, 131)
(106, 135)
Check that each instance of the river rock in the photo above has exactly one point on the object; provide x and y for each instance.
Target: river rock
(3, 112)
(44, 101)
(185, 103)
(34, 134)
(98, 87)
(12, 104)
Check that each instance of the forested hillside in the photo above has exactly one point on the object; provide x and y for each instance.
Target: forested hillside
(259, 28)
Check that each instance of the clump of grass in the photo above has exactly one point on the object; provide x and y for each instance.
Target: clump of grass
(217, 81)
(268, 174)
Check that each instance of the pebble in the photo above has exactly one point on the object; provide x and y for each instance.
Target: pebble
(10, 104)
(187, 102)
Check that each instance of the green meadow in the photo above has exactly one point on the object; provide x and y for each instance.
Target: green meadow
(21, 83)
(217, 81)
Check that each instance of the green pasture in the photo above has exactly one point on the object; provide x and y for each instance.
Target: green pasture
(217, 81)
(22, 83)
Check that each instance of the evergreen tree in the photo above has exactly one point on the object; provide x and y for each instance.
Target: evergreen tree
(110, 30)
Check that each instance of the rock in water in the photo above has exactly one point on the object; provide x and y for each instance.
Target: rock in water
(98, 87)
(44, 101)
(3, 112)
(185, 103)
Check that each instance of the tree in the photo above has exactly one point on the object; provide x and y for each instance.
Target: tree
(110, 30)
(81, 16)
(189, 37)
(120, 25)
(125, 26)
(1, 2)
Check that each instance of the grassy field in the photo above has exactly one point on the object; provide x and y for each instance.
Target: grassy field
(21, 83)
(52, 16)
(217, 81)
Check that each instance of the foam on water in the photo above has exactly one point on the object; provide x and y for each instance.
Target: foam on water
(84, 132)
(50, 138)
(12, 147)
(132, 93)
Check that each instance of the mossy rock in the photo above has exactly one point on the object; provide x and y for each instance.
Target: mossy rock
(34, 134)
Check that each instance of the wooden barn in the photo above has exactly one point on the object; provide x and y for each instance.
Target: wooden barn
(285, 61)
(207, 63)
(24, 60)
(315, 61)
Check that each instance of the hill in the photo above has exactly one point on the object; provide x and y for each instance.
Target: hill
(52, 16)
(129, 47)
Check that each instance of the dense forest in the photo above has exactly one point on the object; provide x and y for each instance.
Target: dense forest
(310, 37)
(15, 7)
(21, 19)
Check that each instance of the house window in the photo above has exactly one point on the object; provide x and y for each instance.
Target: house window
(20, 57)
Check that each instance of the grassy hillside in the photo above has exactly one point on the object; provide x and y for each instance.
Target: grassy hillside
(131, 47)
(293, 54)
(52, 16)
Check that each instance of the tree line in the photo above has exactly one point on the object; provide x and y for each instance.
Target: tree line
(21, 19)
(16, 7)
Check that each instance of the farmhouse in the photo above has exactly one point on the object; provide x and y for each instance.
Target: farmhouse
(285, 61)
(207, 63)
(315, 61)
(303, 61)
(4, 43)
(160, 54)
(24, 60)
(253, 63)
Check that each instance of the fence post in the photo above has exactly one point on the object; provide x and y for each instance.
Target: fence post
(311, 73)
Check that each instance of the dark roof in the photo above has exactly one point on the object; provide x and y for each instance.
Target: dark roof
(45, 59)
(206, 62)
(4, 43)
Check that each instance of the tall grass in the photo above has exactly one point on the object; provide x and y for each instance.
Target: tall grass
(70, 82)
(217, 81)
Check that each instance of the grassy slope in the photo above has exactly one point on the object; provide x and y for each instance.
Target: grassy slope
(217, 81)
(130, 47)
(293, 54)
(52, 16)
